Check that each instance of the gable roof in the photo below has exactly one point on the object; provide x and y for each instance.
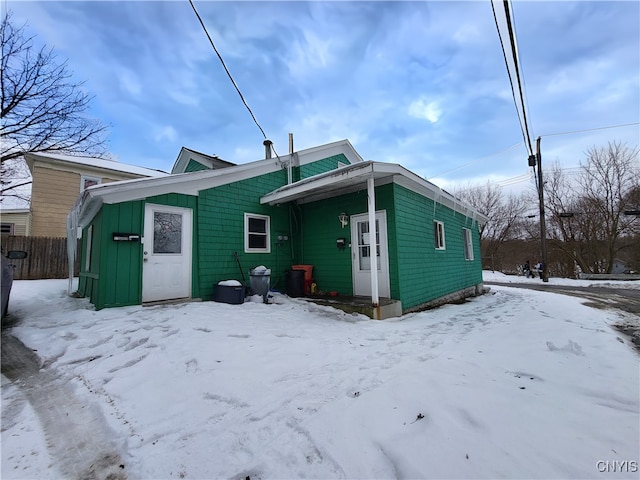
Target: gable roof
(92, 163)
(211, 162)
(90, 201)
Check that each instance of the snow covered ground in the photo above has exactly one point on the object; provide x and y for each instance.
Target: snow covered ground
(513, 384)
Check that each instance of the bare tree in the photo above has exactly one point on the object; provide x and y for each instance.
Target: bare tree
(587, 215)
(42, 108)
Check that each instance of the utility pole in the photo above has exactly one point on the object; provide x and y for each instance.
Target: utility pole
(543, 225)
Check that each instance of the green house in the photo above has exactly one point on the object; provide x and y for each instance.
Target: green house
(175, 237)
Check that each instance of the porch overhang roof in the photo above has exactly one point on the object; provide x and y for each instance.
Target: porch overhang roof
(329, 184)
(354, 177)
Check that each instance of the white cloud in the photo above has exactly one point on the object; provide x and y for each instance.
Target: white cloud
(313, 53)
(428, 110)
(129, 81)
(166, 133)
(184, 97)
(468, 34)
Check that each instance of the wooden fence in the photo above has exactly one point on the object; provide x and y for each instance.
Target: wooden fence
(46, 257)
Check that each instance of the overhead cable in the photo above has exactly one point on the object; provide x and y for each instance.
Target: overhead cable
(476, 160)
(590, 129)
(226, 69)
(514, 53)
(521, 116)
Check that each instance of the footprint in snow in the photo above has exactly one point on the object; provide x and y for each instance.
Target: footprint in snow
(570, 347)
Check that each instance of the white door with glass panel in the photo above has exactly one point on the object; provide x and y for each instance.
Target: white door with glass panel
(362, 241)
(166, 268)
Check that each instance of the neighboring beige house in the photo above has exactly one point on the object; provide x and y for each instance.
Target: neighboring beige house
(59, 179)
(15, 221)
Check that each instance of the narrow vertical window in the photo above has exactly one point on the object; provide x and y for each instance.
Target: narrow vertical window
(438, 232)
(467, 241)
(256, 233)
(87, 253)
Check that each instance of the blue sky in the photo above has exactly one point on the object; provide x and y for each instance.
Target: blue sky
(423, 84)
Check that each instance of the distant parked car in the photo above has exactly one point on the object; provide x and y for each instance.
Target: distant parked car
(7, 275)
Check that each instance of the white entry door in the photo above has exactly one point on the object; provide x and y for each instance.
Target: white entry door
(166, 269)
(361, 250)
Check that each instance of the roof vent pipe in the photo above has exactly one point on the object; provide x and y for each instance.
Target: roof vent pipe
(289, 173)
(267, 148)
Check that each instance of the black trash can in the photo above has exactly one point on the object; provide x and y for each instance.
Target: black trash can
(295, 283)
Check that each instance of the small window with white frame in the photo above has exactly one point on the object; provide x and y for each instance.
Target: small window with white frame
(87, 181)
(467, 241)
(256, 233)
(438, 234)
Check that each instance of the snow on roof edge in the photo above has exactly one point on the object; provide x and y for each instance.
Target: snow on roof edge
(100, 163)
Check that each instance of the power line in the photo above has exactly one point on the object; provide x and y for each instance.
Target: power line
(512, 181)
(477, 160)
(591, 129)
(525, 105)
(226, 69)
(514, 53)
(521, 116)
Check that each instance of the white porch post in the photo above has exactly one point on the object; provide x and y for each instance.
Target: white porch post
(373, 253)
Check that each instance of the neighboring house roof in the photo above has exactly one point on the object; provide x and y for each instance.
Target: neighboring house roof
(211, 162)
(7, 211)
(91, 162)
(89, 202)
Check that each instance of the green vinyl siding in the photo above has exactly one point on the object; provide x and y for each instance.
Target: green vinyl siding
(425, 272)
(194, 166)
(321, 228)
(122, 265)
(115, 277)
(322, 166)
(221, 232)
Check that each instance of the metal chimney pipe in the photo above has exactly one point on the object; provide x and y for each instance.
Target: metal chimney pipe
(291, 144)
(267, 148)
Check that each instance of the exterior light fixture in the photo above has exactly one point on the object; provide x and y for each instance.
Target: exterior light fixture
(344, 219)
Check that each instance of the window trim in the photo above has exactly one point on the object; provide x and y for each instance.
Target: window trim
(438, 235)
(467, 240)
(11, 226)
(247, 233)
(84, 178)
